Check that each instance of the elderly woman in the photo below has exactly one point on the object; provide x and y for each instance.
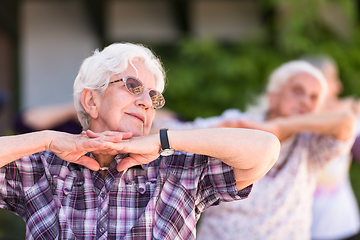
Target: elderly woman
(110, 182)
(279, 207)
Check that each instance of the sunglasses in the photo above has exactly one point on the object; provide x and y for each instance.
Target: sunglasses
(136, 87)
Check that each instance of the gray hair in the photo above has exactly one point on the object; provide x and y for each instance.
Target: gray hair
(96, 71)
(282, 74)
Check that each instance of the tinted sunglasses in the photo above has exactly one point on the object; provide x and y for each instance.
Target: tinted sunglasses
(136, 87)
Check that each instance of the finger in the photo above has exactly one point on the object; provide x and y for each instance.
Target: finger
(118, 137)
(92, 144)
(109, 135)
(88, 162)
(126, 163)
(92, 134)
(120, 147)
(127, 135)
(107, 152)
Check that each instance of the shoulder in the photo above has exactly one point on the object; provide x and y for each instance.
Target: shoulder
(35, 165)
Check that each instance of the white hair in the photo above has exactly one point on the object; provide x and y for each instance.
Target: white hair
(279, 77)
(96, 71)
(286, 71)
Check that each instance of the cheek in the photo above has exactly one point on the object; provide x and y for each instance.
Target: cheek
(289, 106)
(316, 105)
(116, 103)
(150, 117)
(288, 101)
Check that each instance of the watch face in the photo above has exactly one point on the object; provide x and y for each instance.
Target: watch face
(167, 152)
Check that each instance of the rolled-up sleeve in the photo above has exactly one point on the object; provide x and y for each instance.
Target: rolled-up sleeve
(11, 192)
(217, 184)
(15, 178)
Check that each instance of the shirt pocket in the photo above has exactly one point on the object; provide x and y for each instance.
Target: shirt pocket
(77, 208)
(71, 193)
(138, 190)
(63, 188)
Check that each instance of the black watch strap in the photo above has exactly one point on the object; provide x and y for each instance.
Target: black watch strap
(164, 139)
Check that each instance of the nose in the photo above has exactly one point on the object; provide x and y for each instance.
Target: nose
(144, 100)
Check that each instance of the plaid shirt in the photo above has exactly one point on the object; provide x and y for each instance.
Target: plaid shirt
(159, 200)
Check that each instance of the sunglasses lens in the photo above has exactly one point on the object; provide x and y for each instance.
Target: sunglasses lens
(158, 100)
(134, 86)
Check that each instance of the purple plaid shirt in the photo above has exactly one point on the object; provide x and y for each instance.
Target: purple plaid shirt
(159, 200)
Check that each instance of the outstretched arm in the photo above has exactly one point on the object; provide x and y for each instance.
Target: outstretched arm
(338, 124)
(250, 152)
(50, 116)
(67, 146)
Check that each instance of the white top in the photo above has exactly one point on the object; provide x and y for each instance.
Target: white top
(336, 214)
(335, 208)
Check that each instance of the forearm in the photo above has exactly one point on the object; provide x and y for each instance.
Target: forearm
(250, 152)
(17, 146)
(338, 124)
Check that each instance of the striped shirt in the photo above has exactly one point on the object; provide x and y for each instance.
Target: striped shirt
(159, 200)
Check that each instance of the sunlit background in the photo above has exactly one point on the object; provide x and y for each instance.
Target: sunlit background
(217, 53)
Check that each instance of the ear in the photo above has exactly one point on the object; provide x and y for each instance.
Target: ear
(90, 103)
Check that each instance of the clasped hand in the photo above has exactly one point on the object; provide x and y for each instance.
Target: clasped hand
(72, 148)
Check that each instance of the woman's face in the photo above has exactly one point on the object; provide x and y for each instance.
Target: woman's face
(299, 95)
(119, 110)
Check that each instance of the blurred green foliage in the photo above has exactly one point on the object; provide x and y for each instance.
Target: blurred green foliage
(205, 77)
(12, 226)
(355, 179)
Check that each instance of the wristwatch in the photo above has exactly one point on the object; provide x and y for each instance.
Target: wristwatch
(166, 150)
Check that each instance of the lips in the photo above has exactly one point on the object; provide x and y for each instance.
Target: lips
(138, 116)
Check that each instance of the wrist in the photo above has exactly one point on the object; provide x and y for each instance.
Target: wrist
(47, 137)
(165, 149)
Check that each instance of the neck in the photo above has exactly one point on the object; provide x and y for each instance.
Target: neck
(104, 160)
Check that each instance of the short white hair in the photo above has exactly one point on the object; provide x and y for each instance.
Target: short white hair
(286, 71)
(96, 71)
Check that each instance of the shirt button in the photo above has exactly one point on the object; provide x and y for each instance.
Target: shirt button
(67, 191)
(80, 183)
(102, 194)
(102, 229)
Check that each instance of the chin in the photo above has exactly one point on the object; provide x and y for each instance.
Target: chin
(139, 133)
